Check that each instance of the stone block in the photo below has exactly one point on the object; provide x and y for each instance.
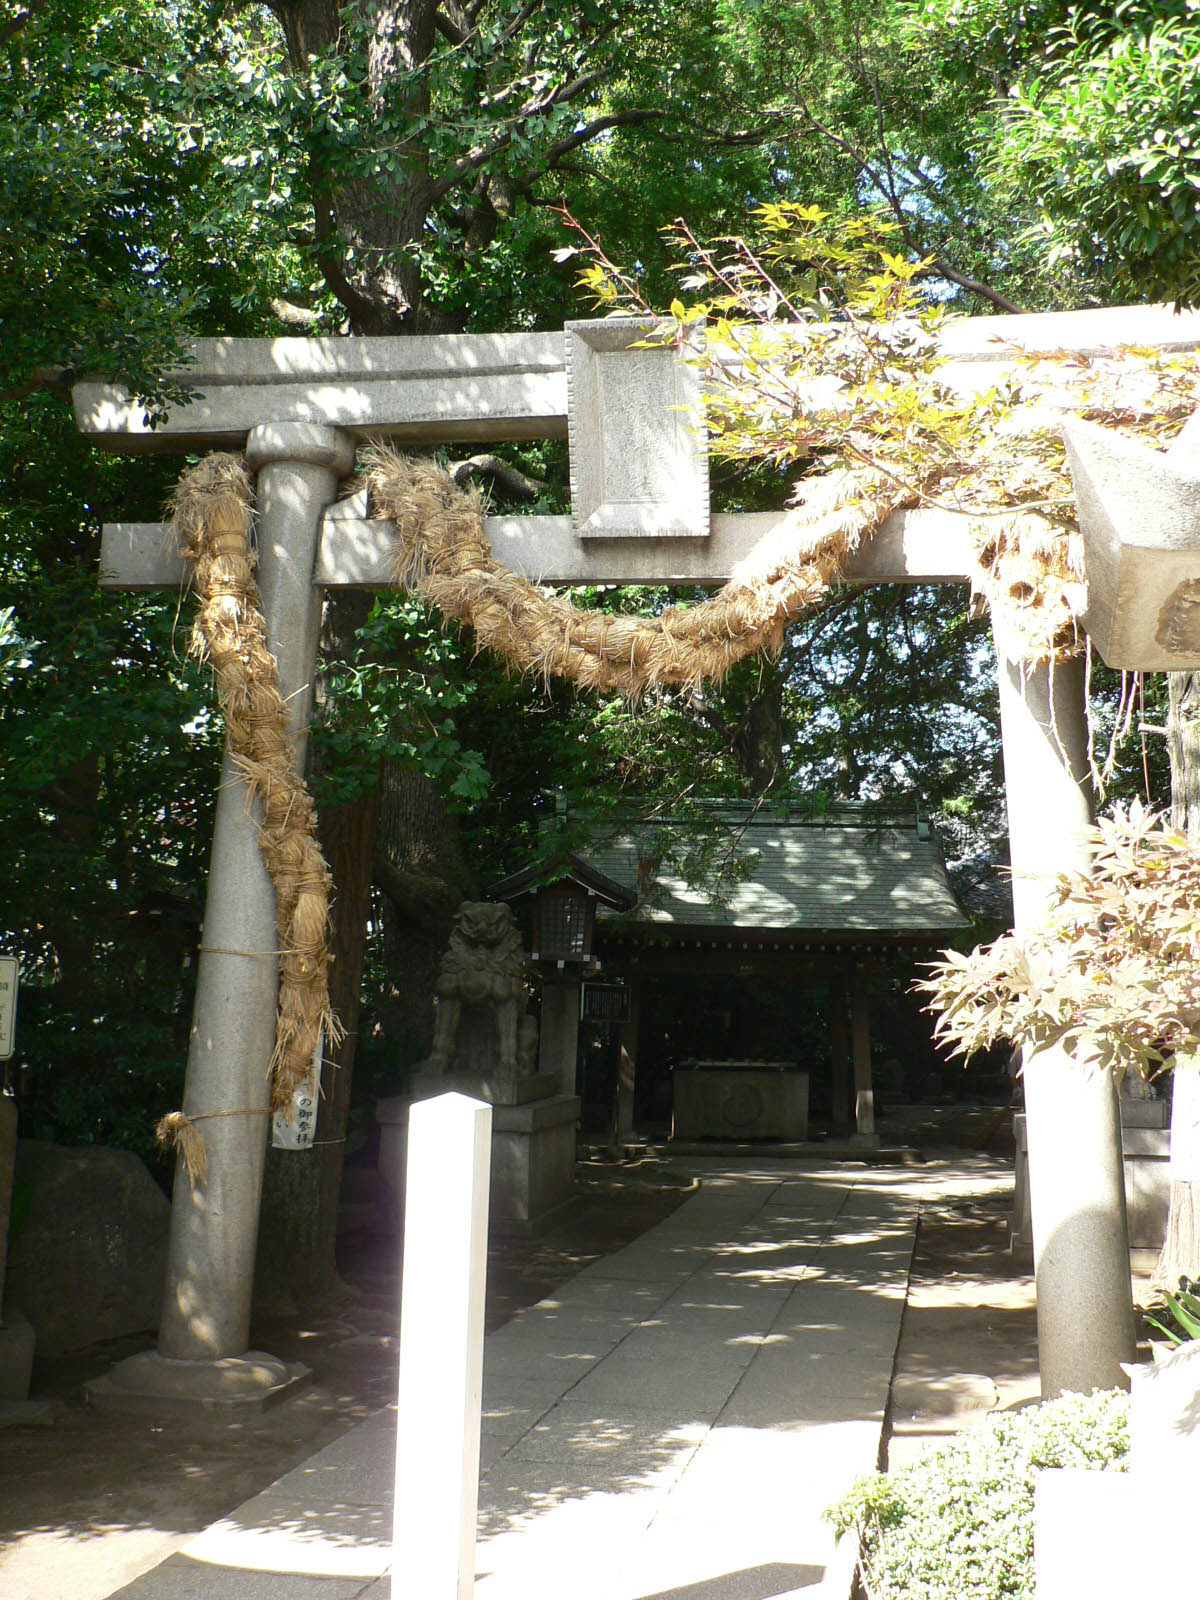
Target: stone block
(926, 544)
(533, 1162)
(445, 386)
(639, 454)
(1151, 1113)
(157, 1384)
(8, 1156)
(1086, 1523)
(1147, 1178)
(1139, 515)
(740, 1102)
(391, 1114)
(1083, 1534)
(89, 1261)
(16, 1355)
(533, 1158)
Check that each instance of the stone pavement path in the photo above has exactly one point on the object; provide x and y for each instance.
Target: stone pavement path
(668, 1425)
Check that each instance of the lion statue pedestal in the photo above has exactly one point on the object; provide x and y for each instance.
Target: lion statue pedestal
(484, 1046)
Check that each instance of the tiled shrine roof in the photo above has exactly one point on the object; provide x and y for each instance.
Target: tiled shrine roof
(848, 872)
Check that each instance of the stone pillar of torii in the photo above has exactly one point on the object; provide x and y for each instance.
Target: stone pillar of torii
(639, 515)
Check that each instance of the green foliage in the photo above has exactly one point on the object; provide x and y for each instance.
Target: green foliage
(1090, 146)
(110, 758)
(958, 1523)
(1115, 967)
(1106, 147)
(817, 342)
(1179, 1319)
(401, 698)
(105, 199)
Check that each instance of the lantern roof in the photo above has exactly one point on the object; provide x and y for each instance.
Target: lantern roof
(559, 874)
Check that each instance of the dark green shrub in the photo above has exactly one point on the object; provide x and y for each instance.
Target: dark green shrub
(958, 1524)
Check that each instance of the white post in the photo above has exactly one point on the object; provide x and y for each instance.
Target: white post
(441, 1349)
(1076, 1170)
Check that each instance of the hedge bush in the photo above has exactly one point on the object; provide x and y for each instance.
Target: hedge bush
(958, 1523)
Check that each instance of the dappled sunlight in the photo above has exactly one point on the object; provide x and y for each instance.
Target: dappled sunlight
(327, 1539)
(746, 1338)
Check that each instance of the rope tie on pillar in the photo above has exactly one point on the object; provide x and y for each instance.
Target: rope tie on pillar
(211, 518)
(178, 1131)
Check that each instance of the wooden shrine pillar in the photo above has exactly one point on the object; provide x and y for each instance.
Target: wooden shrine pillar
(839, 1056)
(860, 1034)
(627, 1041)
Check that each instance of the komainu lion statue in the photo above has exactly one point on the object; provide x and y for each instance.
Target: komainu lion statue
(482, 981)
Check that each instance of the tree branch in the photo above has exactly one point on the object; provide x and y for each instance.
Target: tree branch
(292, 315)
(52, 380)
(940, 267)
(696, 702)
(423, 897)
(359, 305)
(453, 23)
(593, 130)
(509, 478)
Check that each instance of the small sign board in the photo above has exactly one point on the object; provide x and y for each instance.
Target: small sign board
(296, 1131)
(604, 1002)
(10, 975)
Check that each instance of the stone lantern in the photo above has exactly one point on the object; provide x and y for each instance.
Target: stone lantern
(564, 923)
(564, 895)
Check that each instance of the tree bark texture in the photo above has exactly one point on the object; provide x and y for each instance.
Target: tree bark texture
(298, 1221)
(758, 738)
(367, 227)
(420, 868)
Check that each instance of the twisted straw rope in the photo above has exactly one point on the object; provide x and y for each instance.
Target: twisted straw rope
(443, 553)
(210, 514)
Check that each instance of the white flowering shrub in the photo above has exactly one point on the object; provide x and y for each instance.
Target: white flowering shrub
(958, 1523)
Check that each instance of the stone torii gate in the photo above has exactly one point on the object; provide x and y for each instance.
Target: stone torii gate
(639, 515)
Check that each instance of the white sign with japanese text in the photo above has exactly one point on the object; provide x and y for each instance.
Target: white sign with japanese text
(10, 976)
(295, 1132)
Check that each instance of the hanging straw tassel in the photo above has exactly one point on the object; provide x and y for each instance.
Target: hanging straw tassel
(175, 1131)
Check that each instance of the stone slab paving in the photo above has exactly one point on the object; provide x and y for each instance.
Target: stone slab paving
(668, 1425)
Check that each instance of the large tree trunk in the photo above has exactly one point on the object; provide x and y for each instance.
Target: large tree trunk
(758, 738)
(1180, 1255)
(297, 1230)
(298, 1221)
(367, 230)
(420, 868)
